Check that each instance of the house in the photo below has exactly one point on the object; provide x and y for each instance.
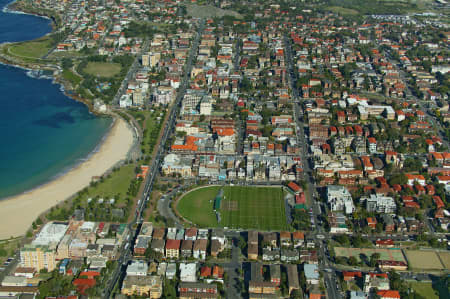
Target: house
(298, 239)
(188, 290)
(288, 255)
(261, 287)
(340, 199)
(158, 245)
(371, 222)
(380, 204)
(186, 248)
(271, 254)
(351, 275)
(252, 251)
(205, 272)
(199, 249)
(216, 248)
(292, 275)
(83, 284)
(311, 273)
(137, 268)
(188, 272)
(275, 274)
(191, 234)
(149, 286)
(217, 272)
(171, 270)
(295, 188)
(386, 243)
(412, 178)
(379, 281)
(29, 272)
(270, 240)
(219, 235)
(357, 295)
(285, 239)
(173, 249)
(389, 225)
(389, 294)
(388, 265)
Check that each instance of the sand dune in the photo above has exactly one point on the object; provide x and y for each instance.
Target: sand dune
(18, 213)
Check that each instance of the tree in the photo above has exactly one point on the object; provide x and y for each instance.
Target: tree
(399, 179)
(352, 261)
(296, 294)
(241, 243)
(152, 254)
(374, 259)
(343, 240)
(66, 63)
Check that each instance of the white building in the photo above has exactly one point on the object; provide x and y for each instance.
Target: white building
(188, 272)
(50, 234)
(340, 199)
(137, 268)
(311, 273)
(380, 204)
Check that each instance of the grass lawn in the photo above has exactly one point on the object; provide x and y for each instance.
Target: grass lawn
(343, 11)
(71, 77)
(422, 259)
(385, 254)
(103, 69)
(197, 206)
(7, 248)
(65, 54)
(151, 127)
(253, 207)
(115, 186)
(242, 207)
(425, 289)
(31, 49)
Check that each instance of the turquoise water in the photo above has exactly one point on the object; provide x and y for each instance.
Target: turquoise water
(43, 133)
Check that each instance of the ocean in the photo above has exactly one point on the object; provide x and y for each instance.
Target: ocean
(43, 133)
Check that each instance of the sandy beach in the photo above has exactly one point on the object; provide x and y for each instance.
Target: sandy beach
(18, 213)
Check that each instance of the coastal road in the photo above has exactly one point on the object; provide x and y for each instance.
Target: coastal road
(126, 252)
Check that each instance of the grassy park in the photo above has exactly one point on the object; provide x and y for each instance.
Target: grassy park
(70, 76)
(424, 260)
(385, 254)
(241, 207)
(197, 206)
(103, 69)
(31, 49)
(119, 185)
(425, 289)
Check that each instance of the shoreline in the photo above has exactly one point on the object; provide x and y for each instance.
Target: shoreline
(64, 171)
(17, 213)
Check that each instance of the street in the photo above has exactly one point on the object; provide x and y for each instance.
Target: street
(127, 247)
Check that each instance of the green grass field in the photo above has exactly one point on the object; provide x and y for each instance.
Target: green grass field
(70, 76)
(32, 49)
(343, 11)
(242, 207)
(103, 69)
(425, 289)
(385, 254)
(197, 207)
(253, 207)
(115, 185)
(424, 259)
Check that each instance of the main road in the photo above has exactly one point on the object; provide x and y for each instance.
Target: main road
(329, 277)
(134, 226)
